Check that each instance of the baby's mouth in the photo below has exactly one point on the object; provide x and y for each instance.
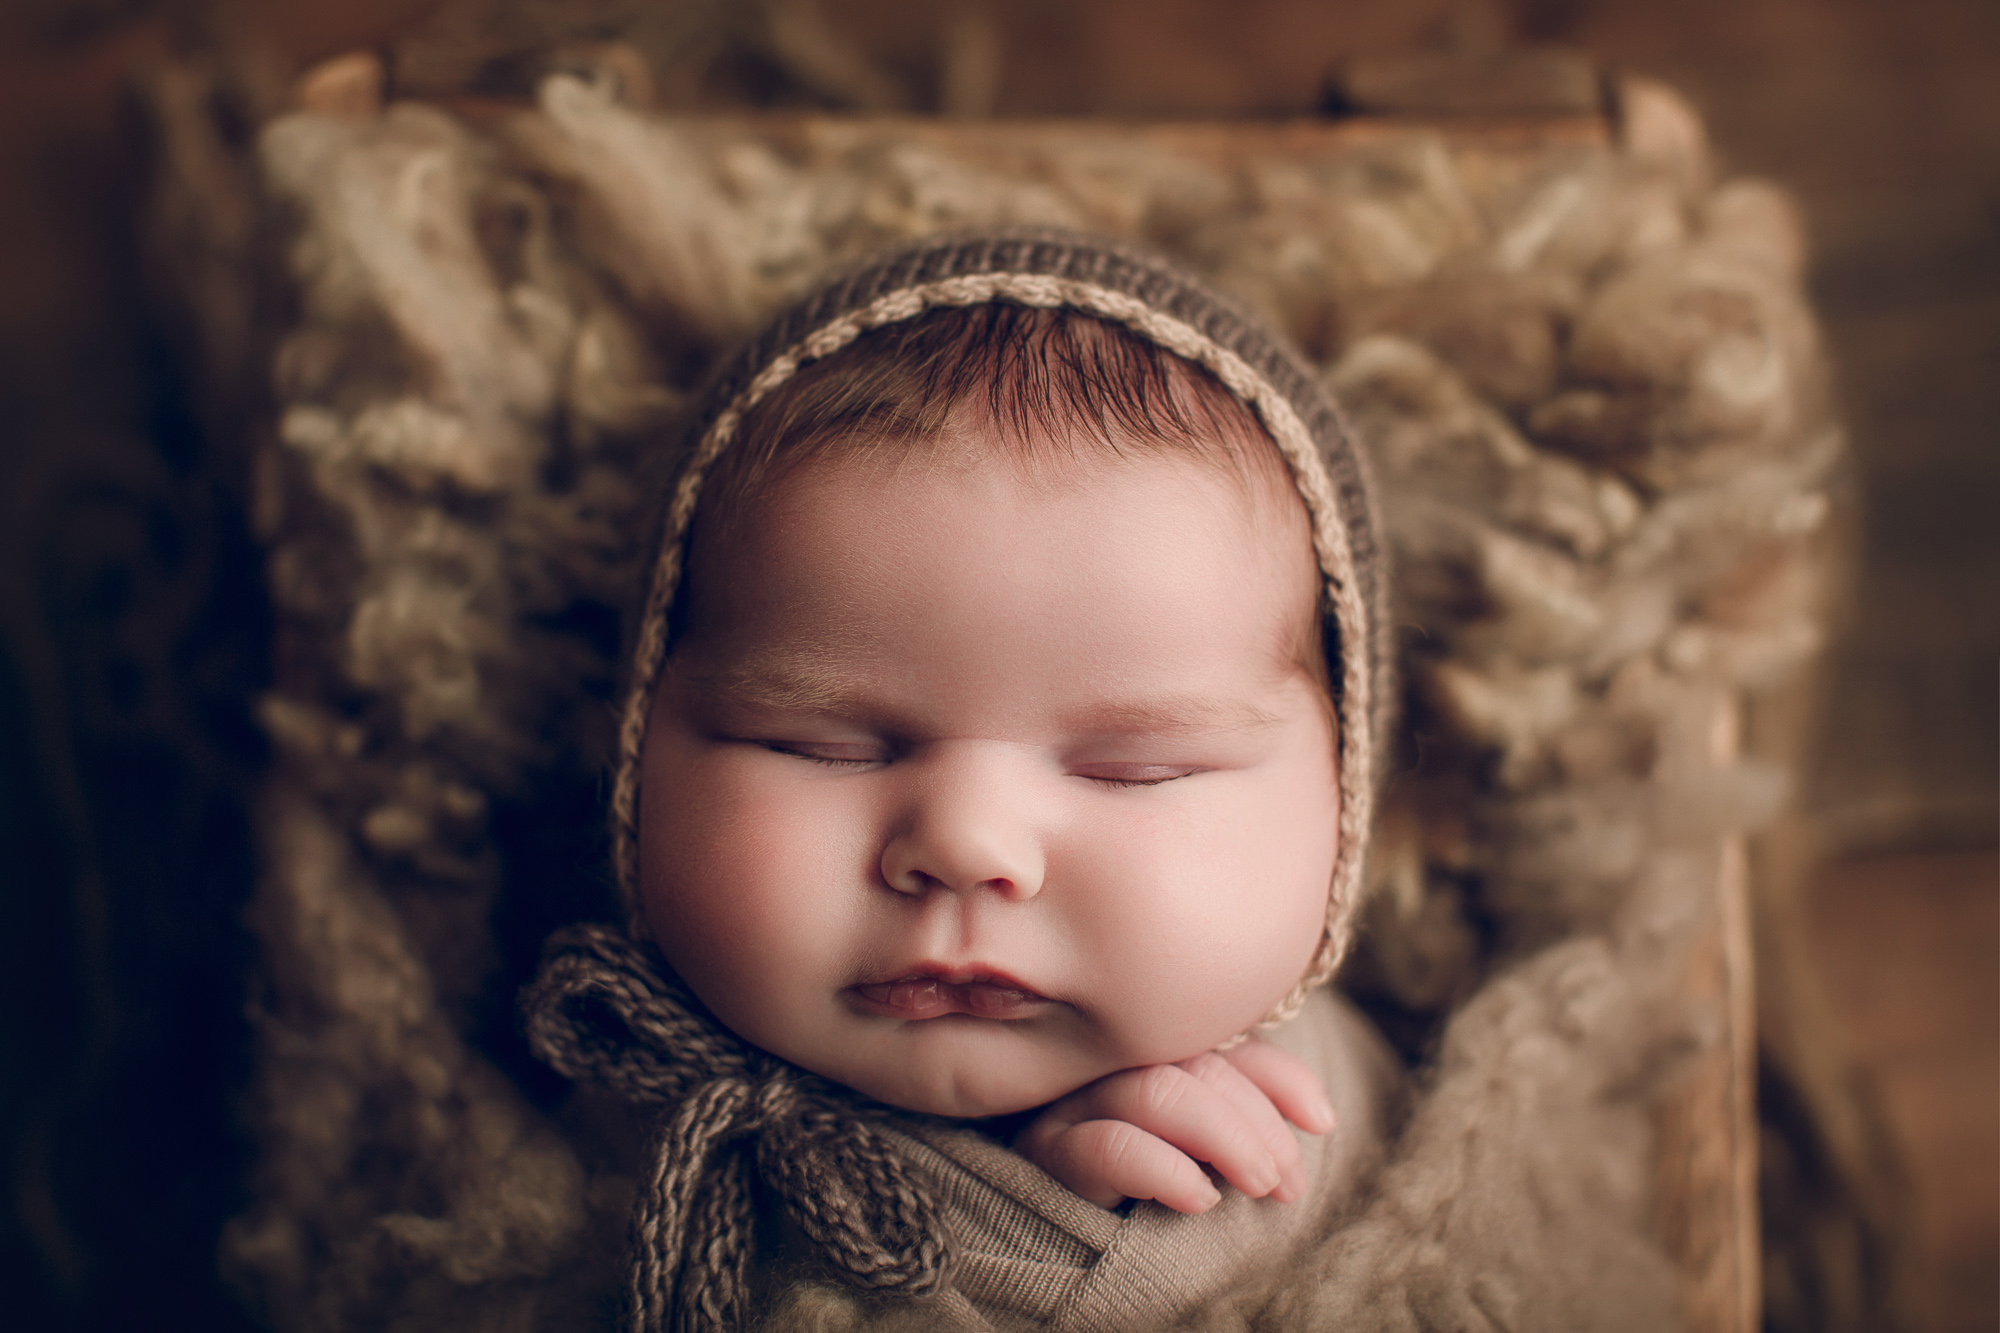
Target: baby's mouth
(933, 996)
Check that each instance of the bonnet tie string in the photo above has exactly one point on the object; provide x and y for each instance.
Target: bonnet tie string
(602, 1010)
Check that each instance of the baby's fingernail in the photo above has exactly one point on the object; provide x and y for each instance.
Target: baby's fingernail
(1320, 1113)
(1210, 1197)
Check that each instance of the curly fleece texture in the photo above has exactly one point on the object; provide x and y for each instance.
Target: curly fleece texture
(1594, 399)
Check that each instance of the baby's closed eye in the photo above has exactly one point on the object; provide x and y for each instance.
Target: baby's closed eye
(1135, 774)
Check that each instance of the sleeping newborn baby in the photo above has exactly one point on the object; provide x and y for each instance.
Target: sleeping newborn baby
(992, 800)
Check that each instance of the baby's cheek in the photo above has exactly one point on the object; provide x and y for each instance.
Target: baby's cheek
(724, 868)
(1272, 867)
(753, 873)
(1180, 935)
(1288, 877)
(695, 844)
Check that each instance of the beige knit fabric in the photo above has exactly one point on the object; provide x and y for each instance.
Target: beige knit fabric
(1033, 1255)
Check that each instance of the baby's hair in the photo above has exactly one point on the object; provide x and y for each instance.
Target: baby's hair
(1047, 378)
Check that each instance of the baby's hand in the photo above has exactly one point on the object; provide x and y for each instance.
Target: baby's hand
(1140, 1133)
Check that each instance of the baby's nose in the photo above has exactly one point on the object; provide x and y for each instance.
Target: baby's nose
(964, 834)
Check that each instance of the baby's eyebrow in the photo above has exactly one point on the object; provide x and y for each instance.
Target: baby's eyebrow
(789, 688)
(1175, 715)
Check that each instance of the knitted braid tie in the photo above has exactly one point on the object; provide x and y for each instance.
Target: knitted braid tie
(603, 1010)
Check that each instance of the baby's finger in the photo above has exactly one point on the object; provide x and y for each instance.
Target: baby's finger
(1107, 1161)
(1189, 1113)
(1259, 1115)
(1291, 1087)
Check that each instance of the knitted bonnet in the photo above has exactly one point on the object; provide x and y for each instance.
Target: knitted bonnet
(1121, 285)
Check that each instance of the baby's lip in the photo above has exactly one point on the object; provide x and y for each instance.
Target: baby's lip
(935, 991)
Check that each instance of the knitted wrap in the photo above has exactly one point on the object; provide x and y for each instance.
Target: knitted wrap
(604, 1010)
(1114, 282)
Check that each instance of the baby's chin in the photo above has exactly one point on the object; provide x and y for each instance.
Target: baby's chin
(961, 1100)
(968, 1085)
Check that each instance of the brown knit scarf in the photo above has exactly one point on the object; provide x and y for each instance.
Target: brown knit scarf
(604, 1010)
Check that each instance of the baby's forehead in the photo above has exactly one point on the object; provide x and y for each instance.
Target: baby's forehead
(1099, 477)
(1201, 543)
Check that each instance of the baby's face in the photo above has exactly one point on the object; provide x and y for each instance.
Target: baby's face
(965, 788)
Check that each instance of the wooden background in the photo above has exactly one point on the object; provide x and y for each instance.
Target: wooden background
(132, 631)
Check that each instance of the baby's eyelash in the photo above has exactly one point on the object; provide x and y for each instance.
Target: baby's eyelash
(831, 761)
(1173, 775)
